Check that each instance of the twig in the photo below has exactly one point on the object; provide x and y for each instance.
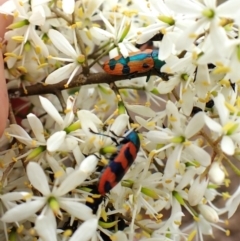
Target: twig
(97, 78)
(59, 95)
(61, 15)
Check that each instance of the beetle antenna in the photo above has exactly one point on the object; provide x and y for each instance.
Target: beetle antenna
(101, 134)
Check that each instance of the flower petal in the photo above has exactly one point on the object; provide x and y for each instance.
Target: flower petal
(22, 211)
(172, 162)
(120, 124)
(77, 209)
(190, 8)
(233, 203)
(228, 9)
(197, 191)
(45, 226)
(38, 178)
(68, 6)
(37, 127)
(61, 43)
(89, 120)
(20, 134)
(86, 230)
(199, 154)
(195, 125)
(60, 74)
(212, 125)
(55, 141)
(223, 112)
(14, 196)
(141, 110)
(73, 180)
(55, 166)
(51, 110)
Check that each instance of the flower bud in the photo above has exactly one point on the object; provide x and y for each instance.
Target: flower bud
(208, 213)
(216, 173)
(89, 164)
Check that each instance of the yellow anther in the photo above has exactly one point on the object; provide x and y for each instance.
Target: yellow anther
(58, 174)
(20, 229)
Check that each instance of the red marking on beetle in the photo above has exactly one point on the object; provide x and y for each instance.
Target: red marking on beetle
(121, 158)
(138, 67)
(107, 176)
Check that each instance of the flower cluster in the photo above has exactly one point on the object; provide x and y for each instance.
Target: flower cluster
(188, 123)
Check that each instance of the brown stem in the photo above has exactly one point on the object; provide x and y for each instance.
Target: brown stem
(58, 93)
(61, 15)
(213, 145)
(97, 78)
(81, 46)
(115, 89)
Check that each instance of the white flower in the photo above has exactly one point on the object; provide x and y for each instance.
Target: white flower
(180, 163)
(50, 199)
(165, 21)
(229, 126)
(29, 19)
(181, 81)
(184, 69)
(63, 139)
(179, 137)
(208, 16)
(75, 57)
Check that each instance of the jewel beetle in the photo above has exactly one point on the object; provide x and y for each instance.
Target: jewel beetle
(119, 162)
(136, 62)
